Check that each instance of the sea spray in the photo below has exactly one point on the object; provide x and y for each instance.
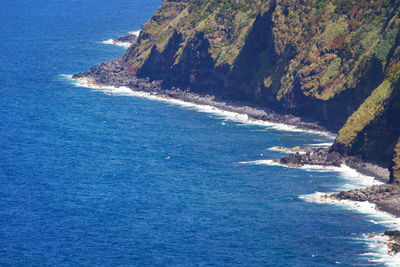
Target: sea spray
(229, 115)
(378, 244)
(354, 178)
(121, 43)
(116, 43)
(136, 33)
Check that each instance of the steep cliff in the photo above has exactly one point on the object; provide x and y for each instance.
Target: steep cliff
(335, 62)
(318, 59)
(372, 131)
(395, 166)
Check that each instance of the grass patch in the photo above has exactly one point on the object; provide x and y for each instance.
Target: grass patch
(332, 71)
(368, 110)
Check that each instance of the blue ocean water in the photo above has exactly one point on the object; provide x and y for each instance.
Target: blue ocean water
(93, 179)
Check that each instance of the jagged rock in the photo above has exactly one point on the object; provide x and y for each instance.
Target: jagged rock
(393, 234)
(373, 194)
(320, 156)
(130, 38)
(394, 237)
(292, 159)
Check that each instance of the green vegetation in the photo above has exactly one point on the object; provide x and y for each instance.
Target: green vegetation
(371, 107)
(333, 30)
(393, 72)
(332, 71)
(382, 50)
(225, 23)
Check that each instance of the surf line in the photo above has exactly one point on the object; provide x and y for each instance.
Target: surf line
(378, 244)
(229, 115)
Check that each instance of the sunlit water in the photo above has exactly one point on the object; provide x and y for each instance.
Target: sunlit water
(92, 178)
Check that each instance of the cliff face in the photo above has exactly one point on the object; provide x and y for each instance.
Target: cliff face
(373, 129)
(395, 167)
(336, 62)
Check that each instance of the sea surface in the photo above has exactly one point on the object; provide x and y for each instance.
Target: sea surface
(93, 177)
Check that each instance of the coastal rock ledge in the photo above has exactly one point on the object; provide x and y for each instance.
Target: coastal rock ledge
(386, 197)
(115, 74)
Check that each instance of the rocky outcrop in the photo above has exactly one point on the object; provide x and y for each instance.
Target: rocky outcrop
(320, 156)
(326, 157)
(129, 38)
(114, 74)
(394, 238)
(371, 194)
(386, 197)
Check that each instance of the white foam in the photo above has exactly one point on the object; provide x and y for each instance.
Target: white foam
(136, 33)
(285, 150)
(116, 43)
(367, 208)
(377, 243)
(261, 162)
(109, 41)
(284, 127)
(356, 179)
(121, 44)
(378, 246)
(321, 145)
(233, 116)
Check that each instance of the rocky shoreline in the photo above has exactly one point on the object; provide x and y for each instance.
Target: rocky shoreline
(325, 157)
(129, 38)
(124, 41)
(394, 238)
(115, 74)
(386, 197)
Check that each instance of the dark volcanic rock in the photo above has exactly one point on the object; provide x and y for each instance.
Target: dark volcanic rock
(386, 197)
(372, 194)
(130, 38)
(327, 157)
(116, 74)
(320, 156)
(394, 236)
(292, 159)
